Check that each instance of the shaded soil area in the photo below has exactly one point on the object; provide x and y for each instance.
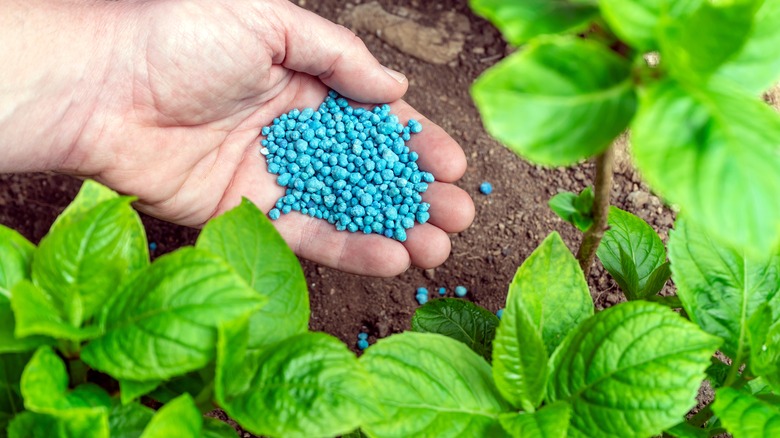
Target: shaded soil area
(510, 222)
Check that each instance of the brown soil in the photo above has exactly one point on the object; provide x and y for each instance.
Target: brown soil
(510, 222)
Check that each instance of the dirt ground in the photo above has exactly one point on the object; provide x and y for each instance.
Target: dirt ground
(509, 224)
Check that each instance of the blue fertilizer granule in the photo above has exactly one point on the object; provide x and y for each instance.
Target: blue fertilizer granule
(348, 166)
(486, 188)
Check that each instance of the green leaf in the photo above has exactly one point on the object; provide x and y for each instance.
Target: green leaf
(9, 343)
(694, 47)
(557, 101)
(519, 21)
(76, 423)
(80, 262)
(552, 289)
(721, 288)
(191, 383)
(213, 428)
(129, 420)
(637, 363)
(686, 430)
(630, 236)
(574, 209)
(11, 403)
(164, 321)
(431, 385)
(247, 240)
(179, 418)
(682, 137)
(638, 22)
(460, 320)
(746, 416)
(130, 390)
(44, 386)
(763, 331)
(35, 314)
(307, 385)
(547, 298)
(90, 195)
(552, 421)
(756, 66)
(16, 254)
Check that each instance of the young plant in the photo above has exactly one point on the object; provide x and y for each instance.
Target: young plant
(85, 313)
(557, 369)
(701, 135)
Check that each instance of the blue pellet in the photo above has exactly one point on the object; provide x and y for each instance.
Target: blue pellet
(422, 290)
(274, 213)
(486, 188)
(460, 291)
(349, 166)
(363, 336)
(362, 344)
(442, 290)
(152, 246)
(422, 298)
(500, 313)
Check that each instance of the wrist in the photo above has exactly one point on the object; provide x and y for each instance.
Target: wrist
(55, 62)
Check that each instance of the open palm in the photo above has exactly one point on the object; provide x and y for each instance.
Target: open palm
(180, 119)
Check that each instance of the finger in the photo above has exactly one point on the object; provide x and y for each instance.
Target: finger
(338, 58)
(452, 209)
(438, 153)
(428, 245)
(357, 253)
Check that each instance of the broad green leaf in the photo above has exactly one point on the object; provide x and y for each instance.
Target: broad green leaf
(638, 22)
(756, 67)
(213, 428)
(638, 364)
(35, 314)
(80, 263)
(574, 209)
(235, 366)
(89, 196)
(432, 386)
(11, 403)
(460, 320)
(746, 416)
(547, 298)
(129, 420)
(191, 383)
(75, 423)
(10, 343)
(557, 101)
(686, 430)
(519, 21)
(630, 236)
(763, 331)
(247, 240)
(307, 385)
(552, 421)
(130, 390)
(163, 322)
(179, 418)
(721, 288)
(682, 137)
(551, 287)
(16, 254)
(695, 47)
(44, 386)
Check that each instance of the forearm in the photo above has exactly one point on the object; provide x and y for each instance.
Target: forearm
(53, 64)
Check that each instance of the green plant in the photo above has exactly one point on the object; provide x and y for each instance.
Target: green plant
(88, 326)
(700, 135)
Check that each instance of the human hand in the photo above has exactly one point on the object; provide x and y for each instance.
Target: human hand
(188, 89)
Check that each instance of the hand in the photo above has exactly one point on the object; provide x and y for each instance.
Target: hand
(189, 86)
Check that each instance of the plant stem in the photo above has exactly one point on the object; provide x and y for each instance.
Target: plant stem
(78, 372)
(602, 189)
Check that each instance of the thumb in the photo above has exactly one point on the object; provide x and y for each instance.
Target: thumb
(339, 58)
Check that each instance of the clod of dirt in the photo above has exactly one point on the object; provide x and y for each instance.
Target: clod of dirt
(772, 97)
(623, 162)
(438, 45)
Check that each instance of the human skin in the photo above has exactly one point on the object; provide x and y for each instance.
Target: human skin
(165, 100)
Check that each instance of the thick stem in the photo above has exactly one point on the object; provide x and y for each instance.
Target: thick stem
(602, 190)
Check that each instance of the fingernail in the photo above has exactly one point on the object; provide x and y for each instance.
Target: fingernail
(398, 76)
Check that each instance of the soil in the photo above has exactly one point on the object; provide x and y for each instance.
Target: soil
(509, 224)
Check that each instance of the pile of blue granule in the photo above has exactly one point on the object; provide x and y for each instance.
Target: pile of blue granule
(349, 166)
